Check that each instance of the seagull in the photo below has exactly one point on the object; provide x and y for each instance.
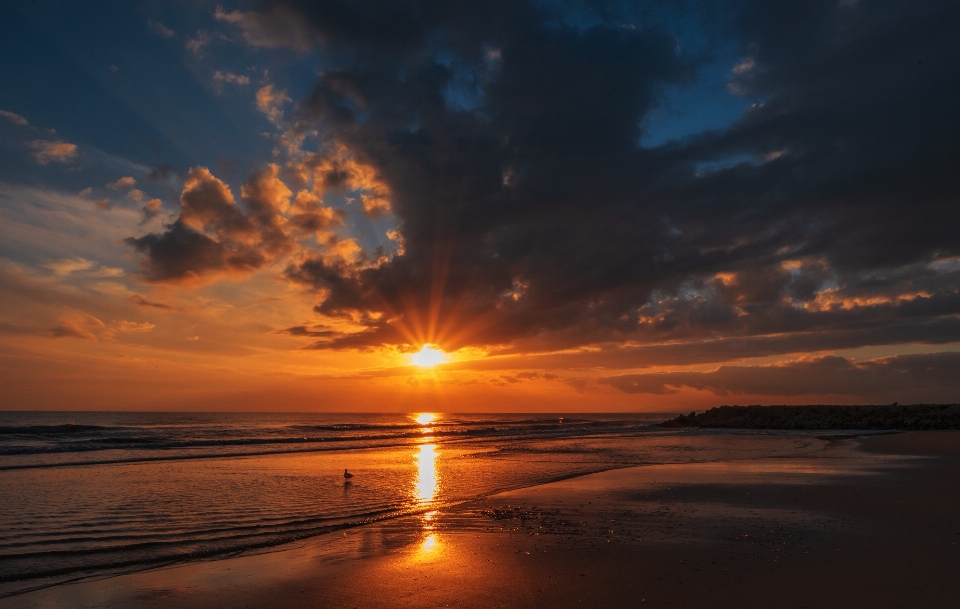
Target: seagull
(347, 474)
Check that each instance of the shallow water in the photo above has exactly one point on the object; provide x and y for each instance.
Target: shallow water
(88, 494)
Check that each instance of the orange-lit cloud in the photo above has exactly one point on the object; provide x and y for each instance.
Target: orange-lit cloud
(77, 325)
(270, 101)
(123, 182)
(46, 151)
(213, 237)
(67, 266)
(338, 170)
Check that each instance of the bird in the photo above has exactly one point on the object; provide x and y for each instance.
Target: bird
(347, 474)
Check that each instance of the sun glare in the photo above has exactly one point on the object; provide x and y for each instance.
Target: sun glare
(425, 485)
(425, 418)
(428, 356)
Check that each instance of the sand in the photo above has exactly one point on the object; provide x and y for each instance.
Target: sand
(869, 522)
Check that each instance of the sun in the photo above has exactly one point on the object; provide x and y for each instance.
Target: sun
(428, 357)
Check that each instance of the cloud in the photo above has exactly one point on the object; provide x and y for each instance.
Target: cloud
(213, 238)
(318, 331)
(229, 77)
(594, 239)
(46, 151)
(151, 209)
(744, 66)
(337, 170)
(270, 102)
(161, 173)
(77, 325)
(117, 328)
(197, 43)
(140, 301)
(279, 27)
(161, 30)
(503, 144)
(88, 327)
(40, 225)
(62, 268)
(880, 379)
(123, 182)
(14, 118)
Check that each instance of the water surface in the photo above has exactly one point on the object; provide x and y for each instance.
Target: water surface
(88, 494)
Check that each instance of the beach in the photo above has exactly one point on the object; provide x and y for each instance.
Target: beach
(860, 522)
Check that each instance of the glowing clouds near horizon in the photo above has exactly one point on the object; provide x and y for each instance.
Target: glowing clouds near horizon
(429, 356)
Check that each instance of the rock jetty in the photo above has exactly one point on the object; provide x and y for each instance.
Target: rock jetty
(893, 416)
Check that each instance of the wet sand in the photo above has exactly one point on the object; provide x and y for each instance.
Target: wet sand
(872, 522)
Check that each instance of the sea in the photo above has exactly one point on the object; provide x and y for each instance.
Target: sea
(93, 494)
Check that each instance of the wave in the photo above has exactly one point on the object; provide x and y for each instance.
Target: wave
(400, 432)
(68, 525)
(290, 446)
(192, 545)
(47, 430)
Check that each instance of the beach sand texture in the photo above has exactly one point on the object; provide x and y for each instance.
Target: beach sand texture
(868, 522)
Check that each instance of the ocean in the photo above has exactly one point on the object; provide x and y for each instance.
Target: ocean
(86, 494)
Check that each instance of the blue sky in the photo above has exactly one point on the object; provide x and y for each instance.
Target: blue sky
(121, 79)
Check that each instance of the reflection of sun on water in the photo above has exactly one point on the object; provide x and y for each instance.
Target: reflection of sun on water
(425, 418)
(425, 488)
(426, 483)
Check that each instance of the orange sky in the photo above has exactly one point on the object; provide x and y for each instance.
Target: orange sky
(90, 339)
(619, 210)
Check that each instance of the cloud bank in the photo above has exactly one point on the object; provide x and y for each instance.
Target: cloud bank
(504, 140)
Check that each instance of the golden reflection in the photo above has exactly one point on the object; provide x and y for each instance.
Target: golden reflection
(425, 418)
(429, 544)
(425, 487)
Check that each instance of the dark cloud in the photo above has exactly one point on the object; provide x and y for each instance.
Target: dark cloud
(704, 351)
(503, 137)
(140, 301)
(507, 138)
(315, 331)
(908, 376)
(161, 173)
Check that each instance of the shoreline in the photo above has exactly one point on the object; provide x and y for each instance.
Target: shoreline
(665, 535)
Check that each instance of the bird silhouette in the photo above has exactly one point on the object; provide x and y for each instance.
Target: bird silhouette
(347, 474)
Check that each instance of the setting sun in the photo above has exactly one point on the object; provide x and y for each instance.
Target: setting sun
(428, 356)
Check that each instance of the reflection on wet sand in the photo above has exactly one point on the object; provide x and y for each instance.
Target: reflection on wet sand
(429, 545)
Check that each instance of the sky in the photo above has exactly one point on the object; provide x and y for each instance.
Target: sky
(575, 206)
